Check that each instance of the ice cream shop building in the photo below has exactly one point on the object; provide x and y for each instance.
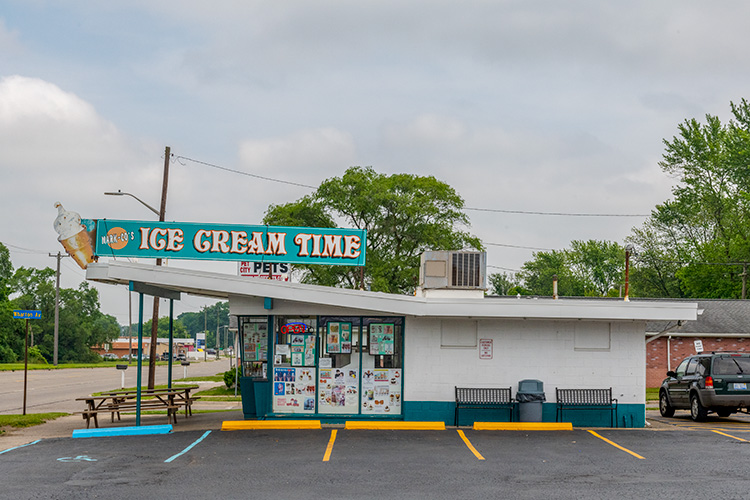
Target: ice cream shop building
(338, 354)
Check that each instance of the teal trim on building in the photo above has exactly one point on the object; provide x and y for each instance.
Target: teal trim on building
(628, 415)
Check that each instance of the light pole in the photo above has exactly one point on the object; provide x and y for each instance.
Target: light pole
(120, 193)
(161, 214)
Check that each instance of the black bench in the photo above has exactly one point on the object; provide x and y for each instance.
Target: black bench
(484, 398)
(586, 399)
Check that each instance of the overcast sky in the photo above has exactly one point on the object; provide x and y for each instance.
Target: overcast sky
(537, 106)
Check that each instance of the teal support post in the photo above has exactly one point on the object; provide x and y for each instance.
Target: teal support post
(140, 360)
(171, 342)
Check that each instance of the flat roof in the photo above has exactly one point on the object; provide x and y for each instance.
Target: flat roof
(224, 286)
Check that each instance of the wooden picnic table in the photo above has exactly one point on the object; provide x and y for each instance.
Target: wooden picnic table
(114, 402)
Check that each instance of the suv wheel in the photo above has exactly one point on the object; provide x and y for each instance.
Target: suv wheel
(665, 408)
(698, 412)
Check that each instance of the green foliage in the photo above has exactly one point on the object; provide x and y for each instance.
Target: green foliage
(505, 284)
(81, 324)
(207, 320)
(178, 329)
(230, 378)
(404, 215)
(684, 243)
(588, 268)
(35, 356)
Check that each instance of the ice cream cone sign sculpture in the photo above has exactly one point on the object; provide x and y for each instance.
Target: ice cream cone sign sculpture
(73, 236)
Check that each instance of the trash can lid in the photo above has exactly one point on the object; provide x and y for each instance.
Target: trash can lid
(531, 386)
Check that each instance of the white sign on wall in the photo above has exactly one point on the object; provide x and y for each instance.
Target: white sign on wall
(485, 348)
(698, 346)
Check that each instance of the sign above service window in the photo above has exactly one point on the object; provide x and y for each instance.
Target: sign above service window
(234, 242)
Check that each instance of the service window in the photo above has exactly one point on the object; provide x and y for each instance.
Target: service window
(254, 331)
(294, 359)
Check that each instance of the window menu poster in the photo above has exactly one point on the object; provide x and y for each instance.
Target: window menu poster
(294, 390)
(338, 390)
(381, 338)
(339, 338)
(381, 390)
(256, 341)
(303, 349)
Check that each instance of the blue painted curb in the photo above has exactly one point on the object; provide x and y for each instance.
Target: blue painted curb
(123, 431)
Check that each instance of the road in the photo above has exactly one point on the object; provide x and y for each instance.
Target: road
(56, 390)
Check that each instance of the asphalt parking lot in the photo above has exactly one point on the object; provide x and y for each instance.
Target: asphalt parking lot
(675, 457)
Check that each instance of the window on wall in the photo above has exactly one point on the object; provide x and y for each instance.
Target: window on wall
(458, 333)
(295, 341)
(254, 346)
(592, 336)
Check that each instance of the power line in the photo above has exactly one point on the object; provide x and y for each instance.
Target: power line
(563, 214)
(240, 172)
(518, 246)
(495, 210)
(27, 250)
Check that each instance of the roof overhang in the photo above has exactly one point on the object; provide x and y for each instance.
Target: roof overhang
(224, 286)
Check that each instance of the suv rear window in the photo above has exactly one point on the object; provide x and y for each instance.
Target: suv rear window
(731, 365)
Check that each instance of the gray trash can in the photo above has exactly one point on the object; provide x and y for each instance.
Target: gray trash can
(530, 397)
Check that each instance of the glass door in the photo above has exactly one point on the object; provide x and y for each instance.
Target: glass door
(339, 374)
(382, 384)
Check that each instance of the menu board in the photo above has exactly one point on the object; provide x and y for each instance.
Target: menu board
(339, 338)
(294, 390)
(302, 349)
(381, 338)
(255, 337)
(381, 390)
(338, 390)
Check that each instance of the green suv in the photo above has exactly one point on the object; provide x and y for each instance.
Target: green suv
(716, 382)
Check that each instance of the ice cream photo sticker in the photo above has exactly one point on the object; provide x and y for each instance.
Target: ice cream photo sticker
(74, 236)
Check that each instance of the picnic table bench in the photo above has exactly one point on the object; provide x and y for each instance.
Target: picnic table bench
(586, 399)
(484, 398)
(114, 402)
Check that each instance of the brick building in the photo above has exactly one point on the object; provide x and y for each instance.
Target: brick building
(722, 325)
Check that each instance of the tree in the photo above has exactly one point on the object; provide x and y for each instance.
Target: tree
(162, 328)
(695, 245)
(206, 321)
(81, 324)
(505, 284)
(587, 268)
(10, 329)
(404, 215)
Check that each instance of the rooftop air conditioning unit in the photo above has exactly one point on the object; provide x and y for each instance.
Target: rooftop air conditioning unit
(453, 270)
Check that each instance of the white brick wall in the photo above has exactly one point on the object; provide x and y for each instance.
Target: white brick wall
(524, 349)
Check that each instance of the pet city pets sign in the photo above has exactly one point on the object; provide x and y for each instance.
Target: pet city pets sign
(236, 242)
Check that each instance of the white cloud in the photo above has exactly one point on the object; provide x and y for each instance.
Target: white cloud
(300, 157)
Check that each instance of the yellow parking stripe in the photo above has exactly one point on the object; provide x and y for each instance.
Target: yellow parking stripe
(329, 448)
(636, 455)
(728, 435)
(469, 445)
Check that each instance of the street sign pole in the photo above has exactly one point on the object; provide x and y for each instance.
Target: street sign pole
(27, 315)
(25, 366)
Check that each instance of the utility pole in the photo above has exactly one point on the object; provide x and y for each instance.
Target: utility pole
(744, 280)
(58, 256)
(155, 317)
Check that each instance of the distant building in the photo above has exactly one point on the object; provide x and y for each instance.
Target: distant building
(722, 325)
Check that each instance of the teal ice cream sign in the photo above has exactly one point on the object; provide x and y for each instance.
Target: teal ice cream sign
(198, 241)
